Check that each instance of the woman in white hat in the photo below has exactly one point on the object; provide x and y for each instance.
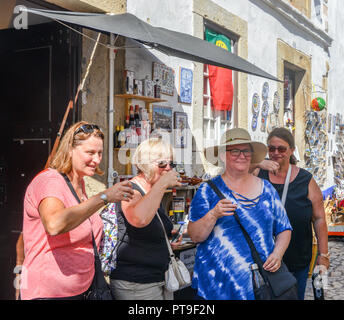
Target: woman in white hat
(223, 260)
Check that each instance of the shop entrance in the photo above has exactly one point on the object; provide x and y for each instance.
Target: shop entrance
(39, 74)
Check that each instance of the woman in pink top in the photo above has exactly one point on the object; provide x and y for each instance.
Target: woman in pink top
(57, 230)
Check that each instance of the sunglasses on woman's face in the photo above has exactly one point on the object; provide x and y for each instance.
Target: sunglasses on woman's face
(162, 164)
(87, 128)
(280, 149)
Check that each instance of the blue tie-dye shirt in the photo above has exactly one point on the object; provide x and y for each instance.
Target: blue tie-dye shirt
(222, 264)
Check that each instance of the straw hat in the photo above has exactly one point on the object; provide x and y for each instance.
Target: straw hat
(233, 137)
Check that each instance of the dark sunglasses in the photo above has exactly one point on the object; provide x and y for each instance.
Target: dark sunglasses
(163, 164)
(236, 152)
(87, 128)
(280, 149)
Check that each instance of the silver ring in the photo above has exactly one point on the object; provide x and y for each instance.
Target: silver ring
(125, 195)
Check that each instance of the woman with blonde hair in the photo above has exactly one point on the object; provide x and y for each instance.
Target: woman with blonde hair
(57, 230)
(142, 253)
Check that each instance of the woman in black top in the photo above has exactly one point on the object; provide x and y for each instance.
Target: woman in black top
(304, 205)
(142, 254)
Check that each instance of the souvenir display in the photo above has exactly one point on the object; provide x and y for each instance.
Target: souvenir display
(276, 102)
(164, 76)
(265, 91)
(288, 117)
(329, 123)
(316, 141)
(318, 104)
(272, 122)
(254, 123)
(255, 111)
(338, 163)
(129, 81)
(255, 104)
(265, 113)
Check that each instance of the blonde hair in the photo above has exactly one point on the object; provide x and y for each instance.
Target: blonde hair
(62, 161)
(149, 151)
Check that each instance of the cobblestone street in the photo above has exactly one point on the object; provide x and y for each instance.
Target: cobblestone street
(335, 290)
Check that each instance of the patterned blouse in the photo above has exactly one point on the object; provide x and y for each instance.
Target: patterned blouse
(223, 260)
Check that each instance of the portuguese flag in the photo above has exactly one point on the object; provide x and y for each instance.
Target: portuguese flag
(220, 79)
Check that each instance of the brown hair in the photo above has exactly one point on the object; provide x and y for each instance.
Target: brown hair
(62, 161)
(285, 135)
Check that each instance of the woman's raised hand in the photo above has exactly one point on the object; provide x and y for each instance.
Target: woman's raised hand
(170, 179)
(121, 191)
(269, 165)
(223, 208)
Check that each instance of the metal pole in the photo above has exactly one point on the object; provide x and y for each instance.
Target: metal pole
(112, 55)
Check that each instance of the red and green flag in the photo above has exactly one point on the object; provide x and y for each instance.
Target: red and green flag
(220, 79)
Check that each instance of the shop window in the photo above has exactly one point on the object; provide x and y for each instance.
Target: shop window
(216, 120)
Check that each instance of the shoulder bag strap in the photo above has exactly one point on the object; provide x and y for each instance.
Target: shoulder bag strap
(286, 185)
(140, 189)
(255, 254)
(69, 184)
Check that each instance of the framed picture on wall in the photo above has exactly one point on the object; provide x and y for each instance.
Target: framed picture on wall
(185, 85)
(165, 77)
(180, 129)
(162, 117)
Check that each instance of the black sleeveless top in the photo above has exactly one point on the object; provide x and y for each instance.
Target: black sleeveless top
(142, 253)
(299, 210)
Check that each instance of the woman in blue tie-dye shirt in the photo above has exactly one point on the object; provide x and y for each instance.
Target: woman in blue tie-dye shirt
(223, 259)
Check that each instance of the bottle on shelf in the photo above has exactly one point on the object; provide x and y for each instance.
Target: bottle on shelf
(131, 116)
(257, 278)
(127, 130)
(115, 137)
(121, 137)
(137, 120)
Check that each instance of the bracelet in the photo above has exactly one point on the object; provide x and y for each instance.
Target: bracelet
(325, 255)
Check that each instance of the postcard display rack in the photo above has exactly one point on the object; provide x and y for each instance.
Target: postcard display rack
(316, 145)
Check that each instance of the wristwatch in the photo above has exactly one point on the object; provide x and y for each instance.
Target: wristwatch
(104, 197)
(325, 255)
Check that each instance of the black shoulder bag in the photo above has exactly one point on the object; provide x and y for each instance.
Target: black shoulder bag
(279, 285)
(99, 289)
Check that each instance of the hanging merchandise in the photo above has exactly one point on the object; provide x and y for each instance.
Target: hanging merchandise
(265, 113)
(265, 91)
(254, 123)
(318, 104)
(272, 122)
(255, 104)
(255, 111)
(316, 141)
(220, 79)
(276, 102)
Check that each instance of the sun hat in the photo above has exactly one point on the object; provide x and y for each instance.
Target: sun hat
(234, 137)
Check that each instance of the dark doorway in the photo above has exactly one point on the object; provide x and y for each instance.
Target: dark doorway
(39, 75)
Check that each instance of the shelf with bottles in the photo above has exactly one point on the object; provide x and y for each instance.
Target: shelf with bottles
(137, 97)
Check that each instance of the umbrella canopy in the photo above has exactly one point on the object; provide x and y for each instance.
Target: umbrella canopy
(173, 43)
